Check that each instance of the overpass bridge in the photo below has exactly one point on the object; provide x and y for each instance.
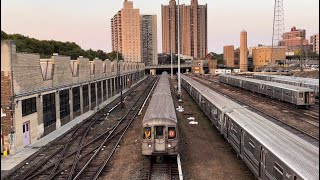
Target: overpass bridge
(158, 69)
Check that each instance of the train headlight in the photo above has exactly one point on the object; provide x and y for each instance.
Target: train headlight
(169, 144)
(149, 145)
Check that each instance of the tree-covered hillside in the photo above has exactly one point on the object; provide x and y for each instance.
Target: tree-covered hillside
(47, 47)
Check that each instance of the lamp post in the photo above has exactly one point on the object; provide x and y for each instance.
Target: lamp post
(179, 78)
(118, 68)
(170, 42)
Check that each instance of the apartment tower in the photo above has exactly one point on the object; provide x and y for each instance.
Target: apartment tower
(228, 56)
(149, 48)
(243, 51)
(314, 40)
(125, 27)
(193, 29)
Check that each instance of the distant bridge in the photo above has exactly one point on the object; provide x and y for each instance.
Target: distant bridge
(168, 66)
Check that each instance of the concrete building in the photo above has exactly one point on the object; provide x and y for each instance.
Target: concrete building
(314, 40)
(125, 27)
(228, 55)
(193, 29)
(294, 39)
(263, 56)
(243, 51)
(39, 96)
(149, 41)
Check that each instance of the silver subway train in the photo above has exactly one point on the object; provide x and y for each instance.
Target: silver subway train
(160, 126)
(296, 81)
(299, 96)
(270, 151)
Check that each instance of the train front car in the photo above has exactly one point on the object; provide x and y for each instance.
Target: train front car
(160, 128)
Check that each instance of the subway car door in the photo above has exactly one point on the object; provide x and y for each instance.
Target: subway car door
(262, 163)
(160, 144)
(241, 142)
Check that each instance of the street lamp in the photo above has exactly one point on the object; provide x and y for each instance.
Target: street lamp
(170, 42)
(118, 68)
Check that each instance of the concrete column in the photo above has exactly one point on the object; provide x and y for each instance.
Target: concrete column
(89, 94)
(71, 103)
(96, 88)
(115, 85)
(81, 99)
(58, 120)
(40, 117)
(107, 90)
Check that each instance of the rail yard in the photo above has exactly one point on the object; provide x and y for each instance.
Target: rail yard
(149, 139)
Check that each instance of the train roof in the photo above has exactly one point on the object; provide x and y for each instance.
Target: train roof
(219, 101)
(289, 77)
(274, 84)
(161, 108)
(298, 154)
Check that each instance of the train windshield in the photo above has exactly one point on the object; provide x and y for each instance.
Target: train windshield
(171, 132)
(159, 132)
(147, 133)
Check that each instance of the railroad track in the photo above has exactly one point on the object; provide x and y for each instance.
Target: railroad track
(79, 145)
(166, 170)
(313, 138)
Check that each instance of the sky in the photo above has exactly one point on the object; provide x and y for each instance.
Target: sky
(87, 22)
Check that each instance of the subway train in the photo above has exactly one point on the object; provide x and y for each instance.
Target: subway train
(160, 125)
(296, 81)
(300, 96)
(270, 151)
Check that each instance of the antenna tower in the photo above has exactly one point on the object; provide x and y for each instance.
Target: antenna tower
(278, 23)
(278, 27)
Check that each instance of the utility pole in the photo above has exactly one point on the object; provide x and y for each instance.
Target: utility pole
(170, 43)
(118, 68)
(179, 77)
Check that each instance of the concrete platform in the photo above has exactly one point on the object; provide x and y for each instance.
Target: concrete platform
(11, 161)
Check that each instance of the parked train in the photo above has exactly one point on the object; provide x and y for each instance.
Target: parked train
(270, 152)
(160, 128)
(299, 96)
(296, 81)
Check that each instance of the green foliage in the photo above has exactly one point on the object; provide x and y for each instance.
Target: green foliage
(47, 47)
(218, 57)
(113, 56)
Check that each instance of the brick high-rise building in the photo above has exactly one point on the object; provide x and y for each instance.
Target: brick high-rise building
(125, 27)
(149, 48)
(314, 40)
(228, 56)
(243, 51)
(294, 39)
(193, 29)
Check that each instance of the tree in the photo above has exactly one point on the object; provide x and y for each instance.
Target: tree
(113, 56)
(47, 47)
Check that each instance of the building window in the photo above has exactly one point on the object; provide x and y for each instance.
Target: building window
(104, 91)
(49, 109)
(85, 94)
(93, 92)
(76, 99)
(29, 106)
(64, 103)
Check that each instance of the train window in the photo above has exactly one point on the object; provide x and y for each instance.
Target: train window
(215, 111)
(301, 95)
(233, 129)
(147, 133)
(277, 171)
(171, 132)
(159, 132)
(251, 146)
